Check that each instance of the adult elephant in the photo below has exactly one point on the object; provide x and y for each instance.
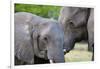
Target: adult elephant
(74, 21)
(37, 37)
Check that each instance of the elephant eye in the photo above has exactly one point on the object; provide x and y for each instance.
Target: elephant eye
(71, 23)
(45, 39)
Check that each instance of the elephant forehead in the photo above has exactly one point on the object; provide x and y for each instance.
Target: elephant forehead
(45, 31)
(53, 31)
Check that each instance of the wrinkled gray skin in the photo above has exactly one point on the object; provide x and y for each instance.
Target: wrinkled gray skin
(37, 36)
(74, 22)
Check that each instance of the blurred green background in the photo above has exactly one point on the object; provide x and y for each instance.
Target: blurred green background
(41, 10)
(80, 52)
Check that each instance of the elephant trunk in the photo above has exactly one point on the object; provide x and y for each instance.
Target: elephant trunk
(68, 44)
(55, 54)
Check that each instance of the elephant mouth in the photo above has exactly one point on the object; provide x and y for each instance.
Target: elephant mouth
(66, 51)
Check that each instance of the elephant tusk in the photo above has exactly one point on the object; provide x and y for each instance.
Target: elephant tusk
(64, 50)
(51, 61)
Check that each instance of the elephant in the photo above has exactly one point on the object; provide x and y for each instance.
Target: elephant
(76, 23)
(37, 39)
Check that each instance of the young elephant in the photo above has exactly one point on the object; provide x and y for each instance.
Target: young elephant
(74, 22)
(37, 37)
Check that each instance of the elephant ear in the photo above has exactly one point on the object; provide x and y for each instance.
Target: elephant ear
(23, 45)
(24, 51)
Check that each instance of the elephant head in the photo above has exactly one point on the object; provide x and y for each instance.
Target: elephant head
(74, 23)
(38, 36)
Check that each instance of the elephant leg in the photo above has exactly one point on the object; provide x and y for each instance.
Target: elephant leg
(89, 48)
(93, 53)
(38, 60)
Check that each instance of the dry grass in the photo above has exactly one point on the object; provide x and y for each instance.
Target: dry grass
(79, 53)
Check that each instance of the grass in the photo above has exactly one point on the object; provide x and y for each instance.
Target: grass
(79, 53)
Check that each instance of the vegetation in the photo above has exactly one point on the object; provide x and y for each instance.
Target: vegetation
(41, 10)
